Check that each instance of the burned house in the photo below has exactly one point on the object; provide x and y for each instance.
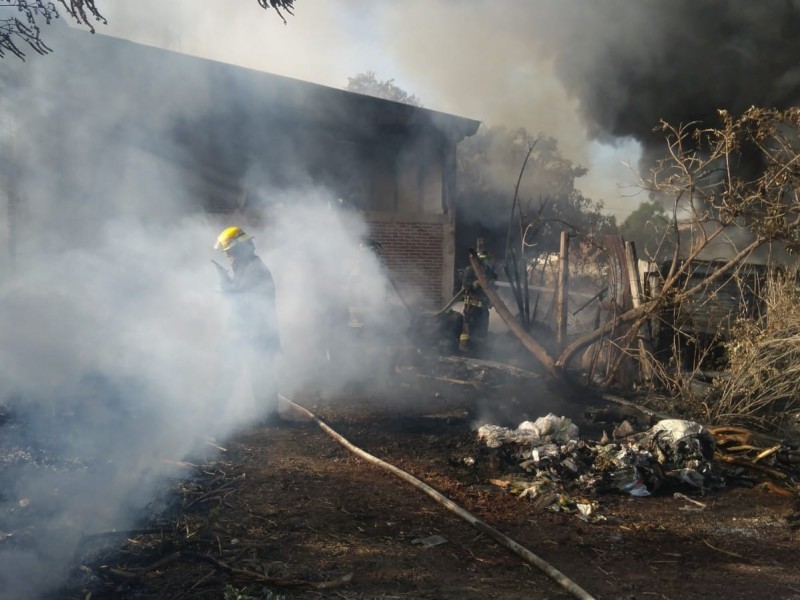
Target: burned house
(229, 133)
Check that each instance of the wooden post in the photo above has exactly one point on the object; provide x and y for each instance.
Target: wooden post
(562, 291)
(636, 298)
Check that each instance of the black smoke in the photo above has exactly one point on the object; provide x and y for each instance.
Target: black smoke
(631, 65)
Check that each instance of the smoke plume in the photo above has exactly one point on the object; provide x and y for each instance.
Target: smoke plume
(597, 75)
(621, 66)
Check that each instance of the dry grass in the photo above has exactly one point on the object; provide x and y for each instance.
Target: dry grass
(763, 383)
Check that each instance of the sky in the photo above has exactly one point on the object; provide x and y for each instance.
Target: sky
(454, 56)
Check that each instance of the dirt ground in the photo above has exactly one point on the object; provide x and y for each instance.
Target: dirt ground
(287, 511)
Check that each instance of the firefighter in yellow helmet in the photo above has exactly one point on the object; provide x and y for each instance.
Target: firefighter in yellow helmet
(253, 340)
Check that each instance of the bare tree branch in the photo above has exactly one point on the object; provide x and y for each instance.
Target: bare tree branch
(25, 26)
(278, 5)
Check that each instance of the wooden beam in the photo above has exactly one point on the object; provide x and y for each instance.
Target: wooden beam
(562, 290)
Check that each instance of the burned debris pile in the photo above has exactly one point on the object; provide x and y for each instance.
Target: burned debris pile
(547, 462)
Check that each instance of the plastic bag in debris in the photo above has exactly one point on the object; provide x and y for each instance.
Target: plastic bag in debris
(545, 430)
(552, 428)
(495, 436)
(632, 467)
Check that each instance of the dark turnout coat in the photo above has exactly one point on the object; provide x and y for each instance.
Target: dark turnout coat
(252, 294)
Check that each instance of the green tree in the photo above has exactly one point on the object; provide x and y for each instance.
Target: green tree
(648, 227)
(368, 84)
(23, 26)
(492, 161)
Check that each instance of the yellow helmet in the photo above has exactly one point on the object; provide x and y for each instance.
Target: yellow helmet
(230, 237)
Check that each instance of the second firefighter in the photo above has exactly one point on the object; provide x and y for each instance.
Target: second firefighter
(475, 328)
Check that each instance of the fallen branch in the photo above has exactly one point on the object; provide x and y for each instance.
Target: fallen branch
(685, 498)
(767, 452)
(707, 543)
(214, 492)
(741, 448)
(85, 538)
(127, 577)
(445, 379)
(776, 489)
(482, 362)
(645, 410)
(750, 465)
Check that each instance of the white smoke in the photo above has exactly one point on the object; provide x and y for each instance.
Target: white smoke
(113, 326)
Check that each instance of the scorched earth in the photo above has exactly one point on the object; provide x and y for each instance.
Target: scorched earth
(325, 505)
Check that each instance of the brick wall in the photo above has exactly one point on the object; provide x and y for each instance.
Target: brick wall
(414, 254)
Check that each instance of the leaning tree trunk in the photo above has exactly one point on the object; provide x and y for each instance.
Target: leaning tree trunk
(535, 348)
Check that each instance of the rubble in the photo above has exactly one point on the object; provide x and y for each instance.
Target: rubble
(562, 470)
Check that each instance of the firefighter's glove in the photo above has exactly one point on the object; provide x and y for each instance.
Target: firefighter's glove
(476, 285)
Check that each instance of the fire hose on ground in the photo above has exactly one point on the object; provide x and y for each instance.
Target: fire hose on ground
(528, 556)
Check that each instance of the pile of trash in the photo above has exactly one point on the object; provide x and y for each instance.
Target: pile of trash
(564, 470)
